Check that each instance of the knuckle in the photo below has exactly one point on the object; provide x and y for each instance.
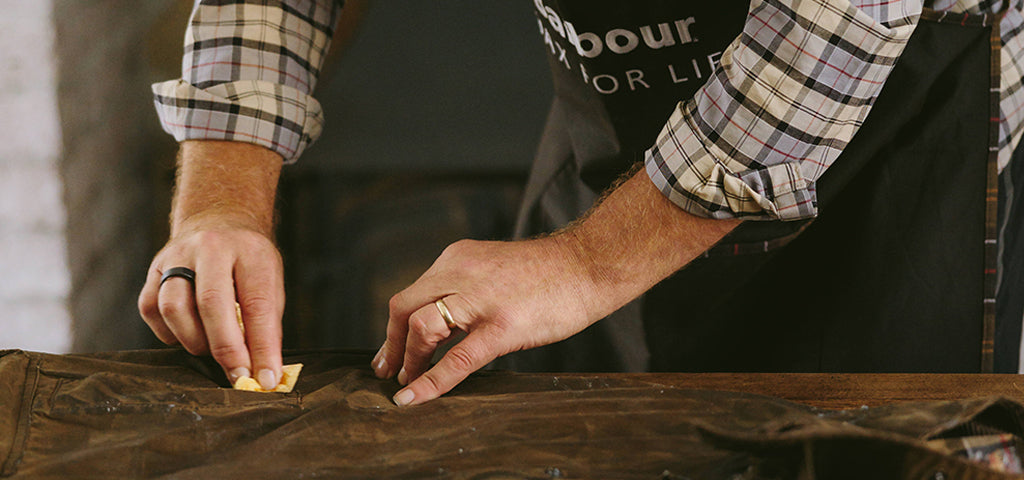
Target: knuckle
(395, 302)
(148, 308)
(460, 246)
(258, 305)
(432, 382)
(418, 325)
(209, 239)
(244, 234)
(468, 257)
(223, 352)
(253, 241)
(171, 309)
(210, 296)
(462, 359)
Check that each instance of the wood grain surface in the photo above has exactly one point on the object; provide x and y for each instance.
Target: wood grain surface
(843, 391)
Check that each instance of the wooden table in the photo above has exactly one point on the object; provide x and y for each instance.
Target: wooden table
(844, 391)
(165, 414)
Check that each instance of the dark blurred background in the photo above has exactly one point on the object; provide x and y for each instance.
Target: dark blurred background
(434, 110)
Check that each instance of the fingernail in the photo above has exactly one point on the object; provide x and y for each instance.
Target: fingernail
(402, 376)
(237, 373)
(379, 362)
(404, 397)
(267, 379)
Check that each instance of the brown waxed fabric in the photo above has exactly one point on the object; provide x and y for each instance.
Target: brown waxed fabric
(166, 414)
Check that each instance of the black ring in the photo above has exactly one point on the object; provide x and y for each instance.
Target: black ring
(183, 272)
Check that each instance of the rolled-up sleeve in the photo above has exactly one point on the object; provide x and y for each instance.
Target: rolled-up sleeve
(248, 74)
(788, 96)
(1011, 100)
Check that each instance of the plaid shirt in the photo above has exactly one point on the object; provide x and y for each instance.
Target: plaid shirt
(248, 74)
(790, 93)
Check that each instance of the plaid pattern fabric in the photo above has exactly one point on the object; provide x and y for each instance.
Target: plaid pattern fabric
(791, 92)
(999, 452)
(1011, 102)
(248, 73)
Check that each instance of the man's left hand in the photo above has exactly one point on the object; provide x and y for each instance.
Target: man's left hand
(510, 296)
(507, 296)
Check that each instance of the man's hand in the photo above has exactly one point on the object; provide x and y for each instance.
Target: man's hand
(222, 228)
(509, 296)
(506, 296)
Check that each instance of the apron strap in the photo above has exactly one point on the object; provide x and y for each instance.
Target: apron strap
(991, 21)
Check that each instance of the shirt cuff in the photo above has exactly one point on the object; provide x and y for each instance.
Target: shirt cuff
(275, 116)
(690, 171)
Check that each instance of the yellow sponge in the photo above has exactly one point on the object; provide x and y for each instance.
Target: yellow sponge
(289, 374)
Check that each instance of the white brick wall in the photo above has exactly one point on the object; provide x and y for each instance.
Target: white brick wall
(34, 278)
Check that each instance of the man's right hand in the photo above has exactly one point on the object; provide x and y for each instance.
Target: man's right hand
(222, 225)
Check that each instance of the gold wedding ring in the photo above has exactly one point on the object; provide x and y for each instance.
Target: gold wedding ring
(445, 314)
(238, 316)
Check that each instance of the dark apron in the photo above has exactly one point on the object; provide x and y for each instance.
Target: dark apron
(897, 273)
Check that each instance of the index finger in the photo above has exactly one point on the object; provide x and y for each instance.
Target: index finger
(471, 354)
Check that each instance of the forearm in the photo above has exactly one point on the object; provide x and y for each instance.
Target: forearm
(511, 296)
(636, 238)
(234, 181)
